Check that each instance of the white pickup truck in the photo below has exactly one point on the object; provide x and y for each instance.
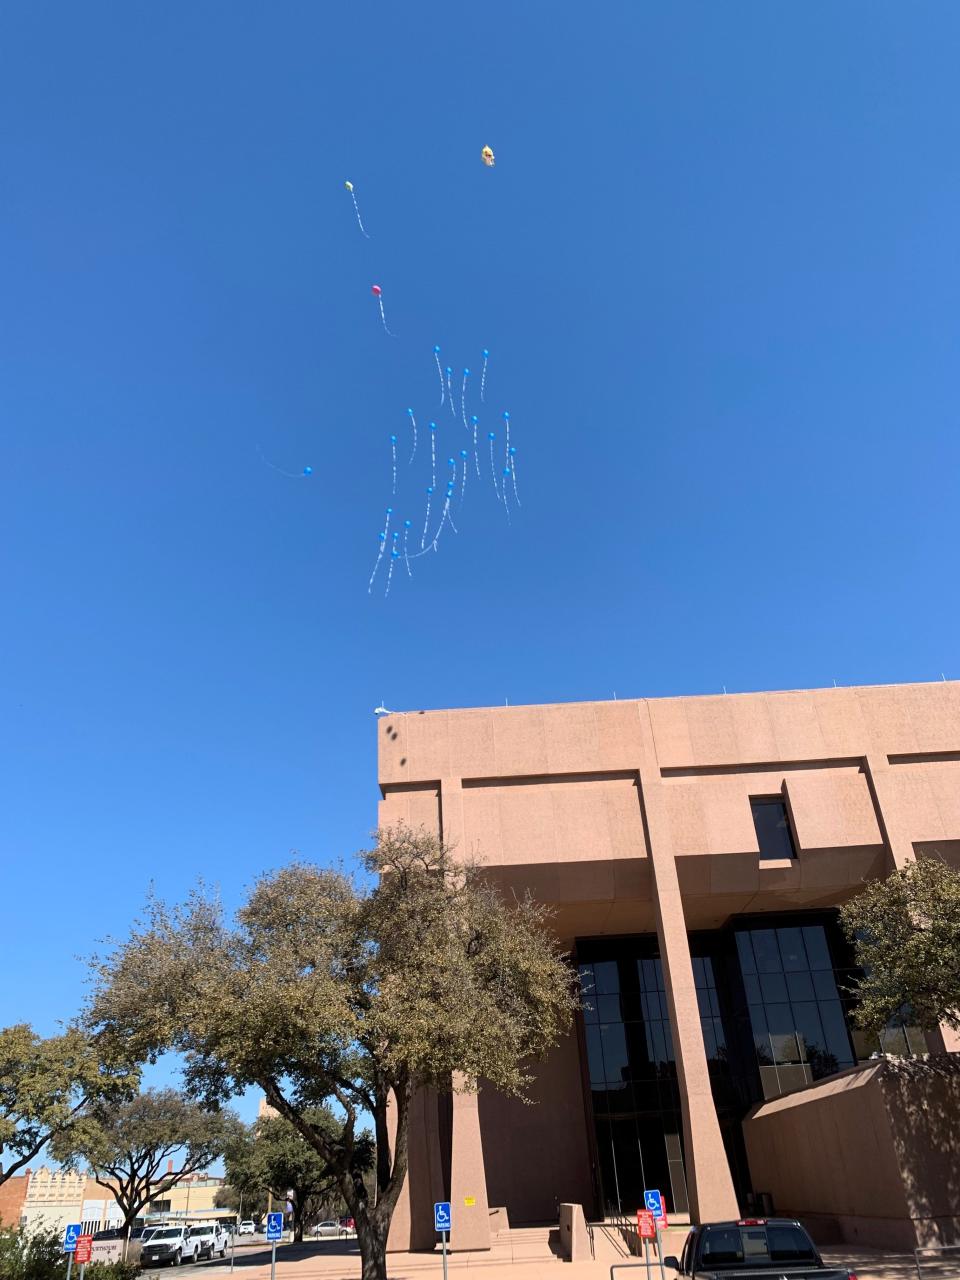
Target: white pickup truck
(212, 1238)
(170, 1244)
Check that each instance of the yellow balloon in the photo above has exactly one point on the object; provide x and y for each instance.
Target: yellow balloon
(486, 155)
(348, 185)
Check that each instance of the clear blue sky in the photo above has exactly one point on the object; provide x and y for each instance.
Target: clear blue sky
(716, 266)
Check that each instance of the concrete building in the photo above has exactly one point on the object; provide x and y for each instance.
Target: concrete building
(695, 851)
(52, 1198)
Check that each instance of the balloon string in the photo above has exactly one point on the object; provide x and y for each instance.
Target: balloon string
(433, 456)
(476, 452)
(383, 317)
(353, 196)
(413, 423)
(406, 532)
(463, 482)
(393, 450)
(493, 468)
(450, 394)
(483, 382)
(436, 356)
(463, 401)
(290, 475)
(426, 525)
(513, 472)
(383, 543)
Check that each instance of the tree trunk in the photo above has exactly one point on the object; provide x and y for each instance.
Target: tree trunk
(372, 1239)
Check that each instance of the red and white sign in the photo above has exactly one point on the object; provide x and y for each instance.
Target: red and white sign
(84, 1248)
(646, 1225)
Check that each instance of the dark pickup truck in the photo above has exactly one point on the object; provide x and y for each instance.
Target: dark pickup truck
(776, 1248)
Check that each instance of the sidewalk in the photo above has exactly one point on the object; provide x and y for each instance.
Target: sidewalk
(527, 1258)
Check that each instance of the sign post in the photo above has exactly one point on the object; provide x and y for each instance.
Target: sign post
(274, 1233)
(653, 1203)
(441, 1223)
(647, 1230)
(70, 1238)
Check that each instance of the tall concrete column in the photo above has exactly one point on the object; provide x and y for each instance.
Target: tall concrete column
(709, 1183)
(412, 1223)
(892, 827)
(468, 1176)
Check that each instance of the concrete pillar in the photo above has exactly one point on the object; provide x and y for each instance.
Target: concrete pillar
(892, 825)
(412, 1223)
(468, 1179)
(709, 1183)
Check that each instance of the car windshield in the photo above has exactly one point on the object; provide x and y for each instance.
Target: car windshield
(200, 1231)
(167, 1233)
(756, 1245)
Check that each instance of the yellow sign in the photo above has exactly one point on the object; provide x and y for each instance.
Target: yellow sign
(469, 1201)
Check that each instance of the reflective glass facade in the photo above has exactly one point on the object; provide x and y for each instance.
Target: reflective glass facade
(774, 1010)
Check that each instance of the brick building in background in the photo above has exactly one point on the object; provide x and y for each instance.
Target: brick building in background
(12, 1195)
(695, 851)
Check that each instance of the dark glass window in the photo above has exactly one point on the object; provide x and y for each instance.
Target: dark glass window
(799, 1027)
(773, 828)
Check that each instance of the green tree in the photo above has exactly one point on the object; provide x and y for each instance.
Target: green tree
(246, 1204)
(323, 990)
(45, 1084)
(906, 934)
(130, 1147)
(275, 1156)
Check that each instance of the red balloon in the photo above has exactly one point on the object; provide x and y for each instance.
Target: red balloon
(375, 289)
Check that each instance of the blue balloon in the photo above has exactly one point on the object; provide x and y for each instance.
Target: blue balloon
(432, 426)
(474, 418)
(505, 414)
(436, 350)
(393, 439)
(389, 511)
(407, 524)
(466, 373)
(308, 471)
(395, 554)
(429, 488)
(486, 353)
(395, 536)
(382, 536)
(506, 471)
(410, 411)
(449, 370)
(512, 451)
(463, 453)
(491, 435)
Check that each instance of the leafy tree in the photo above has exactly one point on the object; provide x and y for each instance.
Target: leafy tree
(128, 1147)
(46, 1083)
(906, 933)
(272, 1154)
(325, 990)
(246, 1204)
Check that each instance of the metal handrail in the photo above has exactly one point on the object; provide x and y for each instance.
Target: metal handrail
(931, 1248)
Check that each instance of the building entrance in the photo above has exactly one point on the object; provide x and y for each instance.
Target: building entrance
(633, 1076)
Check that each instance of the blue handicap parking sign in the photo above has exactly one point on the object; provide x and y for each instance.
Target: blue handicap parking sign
(653, 1203)
(441, 1216)
(274, 1227)
(70, 1236)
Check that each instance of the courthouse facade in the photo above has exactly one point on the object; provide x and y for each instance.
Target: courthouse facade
(695, 851)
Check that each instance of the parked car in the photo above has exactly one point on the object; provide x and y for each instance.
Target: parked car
(246, 1228)
(758, 1246)
(171, 1244)
(328, 1228)
(348, 1224)
(212, 1237)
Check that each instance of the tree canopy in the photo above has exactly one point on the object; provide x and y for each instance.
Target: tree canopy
(275, 1156)
(324, 990)
(906, 933)
(45, 1084)
(130, 1147)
